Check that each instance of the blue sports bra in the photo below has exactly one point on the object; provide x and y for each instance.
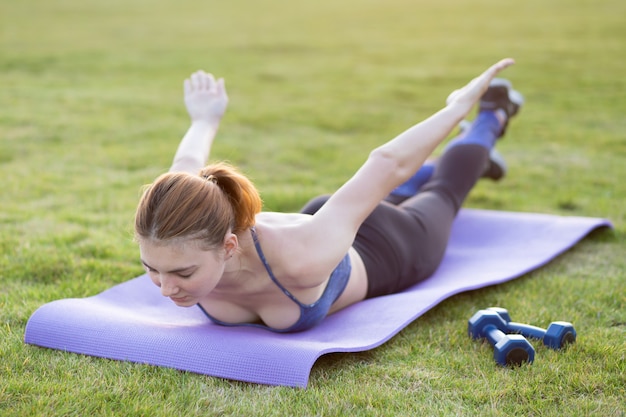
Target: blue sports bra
(310, 314)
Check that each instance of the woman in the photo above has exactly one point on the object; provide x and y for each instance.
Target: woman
(204, 240)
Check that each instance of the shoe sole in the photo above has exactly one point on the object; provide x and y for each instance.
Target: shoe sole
(497, 166)
(503, 86)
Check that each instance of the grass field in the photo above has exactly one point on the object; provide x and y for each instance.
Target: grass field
(91, 99)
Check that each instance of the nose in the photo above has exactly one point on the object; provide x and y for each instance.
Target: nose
(168, 287)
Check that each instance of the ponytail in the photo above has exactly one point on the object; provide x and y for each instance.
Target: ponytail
(181, 206)
(242, 195)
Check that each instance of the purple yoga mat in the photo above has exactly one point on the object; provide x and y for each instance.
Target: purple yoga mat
(133, 322)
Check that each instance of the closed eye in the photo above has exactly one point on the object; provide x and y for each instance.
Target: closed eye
(179, 274)
(185, 272)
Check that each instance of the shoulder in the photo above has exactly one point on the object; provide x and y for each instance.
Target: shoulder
(284, 239)
(277, 220)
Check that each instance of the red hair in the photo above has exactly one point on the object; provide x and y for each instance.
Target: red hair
(205, 207)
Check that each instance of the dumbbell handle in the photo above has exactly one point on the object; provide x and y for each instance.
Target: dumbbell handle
(526, 330)
(493, 334)
(521, 351)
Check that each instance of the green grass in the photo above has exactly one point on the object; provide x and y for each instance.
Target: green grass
(92, 109)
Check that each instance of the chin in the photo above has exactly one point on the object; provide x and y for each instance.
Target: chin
(184, 301)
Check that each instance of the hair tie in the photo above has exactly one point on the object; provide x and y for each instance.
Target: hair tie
(211, 178)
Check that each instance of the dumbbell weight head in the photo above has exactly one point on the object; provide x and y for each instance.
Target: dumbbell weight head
(503, 312)
(513, 349)
(559, 334)
(477, 325)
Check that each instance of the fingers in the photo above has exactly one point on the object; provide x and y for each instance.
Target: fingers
(504, 63)
(499, 66)
(221, 88)
(483, 80)
(472, 91)
(199, 81)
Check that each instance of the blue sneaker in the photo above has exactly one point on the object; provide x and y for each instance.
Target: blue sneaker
(500, 95)
(496, 167)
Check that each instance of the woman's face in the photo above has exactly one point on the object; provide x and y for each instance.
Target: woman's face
(184, 272)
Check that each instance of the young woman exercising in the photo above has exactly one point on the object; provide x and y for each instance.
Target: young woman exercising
(204, 240)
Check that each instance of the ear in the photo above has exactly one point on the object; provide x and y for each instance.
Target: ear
(231, 244)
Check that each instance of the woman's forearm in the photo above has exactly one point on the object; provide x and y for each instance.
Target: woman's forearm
(194, 149)
(206, 101)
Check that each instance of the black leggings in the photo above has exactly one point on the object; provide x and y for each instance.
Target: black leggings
(403, 241)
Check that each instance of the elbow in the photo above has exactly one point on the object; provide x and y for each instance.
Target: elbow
(390, 163)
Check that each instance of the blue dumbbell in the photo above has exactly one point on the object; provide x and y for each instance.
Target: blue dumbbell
(557, 336)
(508, 349)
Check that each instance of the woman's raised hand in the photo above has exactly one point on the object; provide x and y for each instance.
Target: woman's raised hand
(205, 98)
(473, 91)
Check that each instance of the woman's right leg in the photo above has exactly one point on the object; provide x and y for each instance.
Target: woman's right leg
(463, 162)
(495, 170)
(403, 244)
(435, 207)
(500, 97)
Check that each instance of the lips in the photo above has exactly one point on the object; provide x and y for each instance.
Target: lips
(178, 299)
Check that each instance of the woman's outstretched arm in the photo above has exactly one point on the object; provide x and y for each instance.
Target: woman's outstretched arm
(206, 101)
(409, 150)
(332, 229)
(394, 162)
